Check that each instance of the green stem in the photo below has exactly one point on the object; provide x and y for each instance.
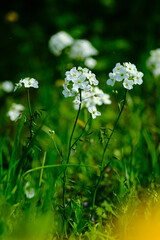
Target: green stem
(104, 151)
(29, 103)
(69, 152)
(52, 136)
(81, 133)
(30, 113)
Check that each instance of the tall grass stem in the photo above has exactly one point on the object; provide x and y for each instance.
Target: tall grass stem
(104, 151)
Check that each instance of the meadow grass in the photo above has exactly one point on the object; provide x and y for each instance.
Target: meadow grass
(65, 175)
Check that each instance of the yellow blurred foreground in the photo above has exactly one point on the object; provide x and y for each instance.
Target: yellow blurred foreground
(141, 223)
(135, 220)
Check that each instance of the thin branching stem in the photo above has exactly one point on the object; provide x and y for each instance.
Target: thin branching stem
(69, 151)
(104, 151)
(81, 133)
(57, 149)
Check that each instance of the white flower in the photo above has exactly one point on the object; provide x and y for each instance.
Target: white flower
(7, 86)
(128, 84)
(112, 79)
(153, 62)
(59, 41)
(29, 191)
(130, 68)
(13, 115)
(73, 74)
(156, 71)
(88, 88)
(121, 75)
(92, 98)
(90, 62)
(105, 99)
(82, 81)
(30, 82)
(15, 111)
(82, 49)
(127, 73)
(78, 79)
(27, 82)
(76, 102)
(66, 92)
(94, 112)
(92, 78)
(117, 68)
(18, 85)
(138, 78)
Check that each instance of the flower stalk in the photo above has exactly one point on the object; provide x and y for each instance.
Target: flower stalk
(69, 151)
(30, 114)
(104, 151)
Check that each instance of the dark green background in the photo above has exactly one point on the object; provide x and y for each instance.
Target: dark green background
(121, 31)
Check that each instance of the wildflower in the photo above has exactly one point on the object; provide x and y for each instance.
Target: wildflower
(15, 111)
(130, 68)
(30, 82)
(90, 62)
(138, 78)
(18, 85)
(27, 82)
(80, 83)
(29, 191)
(7, 86)
(128, 84)
(59, 41)
(92, 78)
(83, 82)
(78, 79)
(127, 73)
(111, 81)
(82, 49)
(92, 219)
(95, 97)
(85, 204)
(153, 62)
(94, 112)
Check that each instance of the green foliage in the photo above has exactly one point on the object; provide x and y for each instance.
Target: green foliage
(34, 149)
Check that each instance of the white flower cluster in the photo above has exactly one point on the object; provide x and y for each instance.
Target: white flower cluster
(83, 81)
(28, 82)
(7, 86)
(77, 79)
(59, 41)
(92, 98)
(153, 62)
(127, 73)
(80, 49)
(15, 111)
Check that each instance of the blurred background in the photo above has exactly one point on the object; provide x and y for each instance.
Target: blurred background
(120, 30)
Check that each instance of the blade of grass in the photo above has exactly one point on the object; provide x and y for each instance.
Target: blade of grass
(1, 164)
(41, 174)
(56, 165)
(152, 151)
(14, 154)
